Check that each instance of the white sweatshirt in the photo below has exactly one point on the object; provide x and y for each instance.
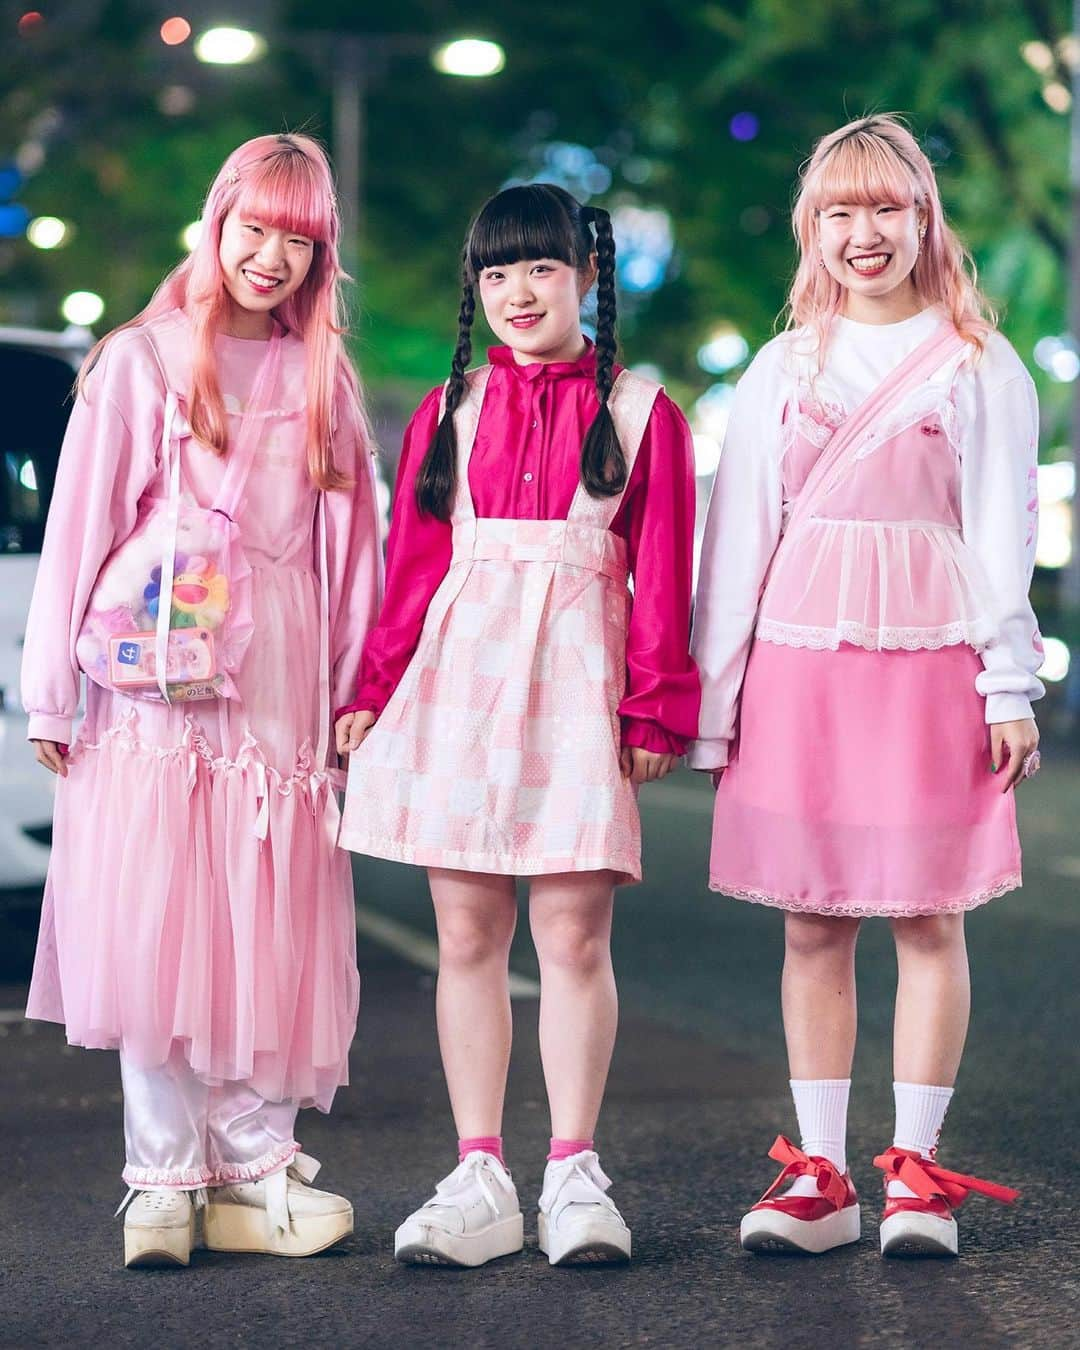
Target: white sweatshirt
(997, 440)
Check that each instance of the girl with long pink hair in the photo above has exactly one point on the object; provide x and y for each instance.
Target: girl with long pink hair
(197, 916)
(868, 657)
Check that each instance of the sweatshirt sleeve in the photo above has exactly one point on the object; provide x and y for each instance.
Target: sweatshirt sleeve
(999, 508)
(109, 457)
(660, 708)
(354, 554)
(742, 530)
(417, 559)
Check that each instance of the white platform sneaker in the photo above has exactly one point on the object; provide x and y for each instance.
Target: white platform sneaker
(159, 1228)
(280, 1215)
(578, 1222)
(473, 1217)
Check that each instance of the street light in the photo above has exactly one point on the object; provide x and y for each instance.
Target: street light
(473, 58)
(229, 46)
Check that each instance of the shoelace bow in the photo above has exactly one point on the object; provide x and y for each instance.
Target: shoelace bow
(583, 1167)
(473, 1169)
(929, 1181)
(830, 1183)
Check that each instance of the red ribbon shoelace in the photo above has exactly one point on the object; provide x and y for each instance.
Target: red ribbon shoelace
(830, 1183)
(928, 1180)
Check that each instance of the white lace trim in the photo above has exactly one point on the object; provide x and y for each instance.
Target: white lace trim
(977, 633)
(955, 905)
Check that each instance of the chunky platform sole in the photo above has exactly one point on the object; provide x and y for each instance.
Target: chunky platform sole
(909, 1233)
(584, 1243)
(244, 1228)
(159, 1246)
(770, 1230)
(417, 1243)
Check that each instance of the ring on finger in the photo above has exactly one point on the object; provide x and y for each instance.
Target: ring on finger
(1031, 765)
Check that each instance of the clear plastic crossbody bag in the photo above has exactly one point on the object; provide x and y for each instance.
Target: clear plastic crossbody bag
(170, 617)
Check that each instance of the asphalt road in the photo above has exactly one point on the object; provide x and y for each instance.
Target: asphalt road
(697, 1093)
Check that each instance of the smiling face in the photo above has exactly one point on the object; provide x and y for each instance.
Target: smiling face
(262, 267)
(534, 307)
(870, 249)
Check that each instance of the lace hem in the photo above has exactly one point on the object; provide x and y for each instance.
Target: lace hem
(976, 633)
(955, 905)
(225, 1174)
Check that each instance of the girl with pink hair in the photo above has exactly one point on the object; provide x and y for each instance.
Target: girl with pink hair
(197, 916)
(868, 658)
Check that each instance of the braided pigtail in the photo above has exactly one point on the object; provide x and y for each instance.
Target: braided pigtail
(603, 464)
(437, 479)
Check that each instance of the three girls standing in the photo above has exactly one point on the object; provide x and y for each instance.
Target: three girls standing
(862, 617)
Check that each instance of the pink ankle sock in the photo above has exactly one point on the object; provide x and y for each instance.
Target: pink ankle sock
(486, 1143)
(566, 1148)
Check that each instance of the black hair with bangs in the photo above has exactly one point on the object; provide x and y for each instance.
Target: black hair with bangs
(536, 220)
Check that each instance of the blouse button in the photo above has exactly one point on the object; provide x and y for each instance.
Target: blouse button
(534, 424)
(528, 478)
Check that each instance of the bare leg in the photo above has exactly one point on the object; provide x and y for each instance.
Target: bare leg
(570, 917)
(476, 914)
(933, 999)
(818, 994)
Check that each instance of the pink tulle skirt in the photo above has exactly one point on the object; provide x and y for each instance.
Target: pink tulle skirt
(861, 785)
(195, 897)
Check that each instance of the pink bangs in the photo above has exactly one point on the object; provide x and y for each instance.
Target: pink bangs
(861, 170)
(287, 191)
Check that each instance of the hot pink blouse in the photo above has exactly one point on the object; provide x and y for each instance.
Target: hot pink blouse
(525, 465)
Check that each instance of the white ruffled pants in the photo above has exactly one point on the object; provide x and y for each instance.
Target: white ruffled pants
(181, 1133)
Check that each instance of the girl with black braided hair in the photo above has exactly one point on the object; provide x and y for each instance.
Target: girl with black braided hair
(511, 698)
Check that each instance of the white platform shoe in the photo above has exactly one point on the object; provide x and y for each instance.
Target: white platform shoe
(159, 1228)
(279, 1215)
(472, 1218)
(578, 1221)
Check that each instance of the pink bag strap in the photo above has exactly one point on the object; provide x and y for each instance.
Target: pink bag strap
(927, 357)
(242, 453)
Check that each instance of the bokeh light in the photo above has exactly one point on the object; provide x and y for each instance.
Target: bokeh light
(190, 235)
(83, 308)
(472, 58)
(229, 46)
(47, 232)
(1055, 664)
(30, 22)
(174, 31)
(744, 126)
(725, 349)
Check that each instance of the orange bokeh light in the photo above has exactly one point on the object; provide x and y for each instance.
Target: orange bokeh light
(174, 31)
(33, 18)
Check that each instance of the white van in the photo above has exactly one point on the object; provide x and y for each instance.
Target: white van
(37, 371)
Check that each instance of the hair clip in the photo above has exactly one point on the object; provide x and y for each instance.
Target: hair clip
(232, 175)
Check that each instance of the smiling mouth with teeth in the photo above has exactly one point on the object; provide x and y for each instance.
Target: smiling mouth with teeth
(262, 281)
(876, 263)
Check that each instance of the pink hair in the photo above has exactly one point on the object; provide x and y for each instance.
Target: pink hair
(284, 182)
(876, 159)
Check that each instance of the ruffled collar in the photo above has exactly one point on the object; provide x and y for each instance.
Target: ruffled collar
(584, 366)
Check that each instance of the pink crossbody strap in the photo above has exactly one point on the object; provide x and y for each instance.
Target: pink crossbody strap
(927, 357)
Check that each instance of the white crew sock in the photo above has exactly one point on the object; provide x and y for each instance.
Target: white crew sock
(920, 1114)
(821, 1105)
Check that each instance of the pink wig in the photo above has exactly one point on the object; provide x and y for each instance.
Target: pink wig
(284, 182)
(873, 160)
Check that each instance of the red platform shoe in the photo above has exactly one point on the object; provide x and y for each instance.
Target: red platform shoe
(923, 1224)
(802, 1223)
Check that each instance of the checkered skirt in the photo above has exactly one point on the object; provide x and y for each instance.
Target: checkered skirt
(499, 749)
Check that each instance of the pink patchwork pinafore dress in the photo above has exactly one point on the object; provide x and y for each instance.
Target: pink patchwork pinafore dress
(499, 749)
(860, 781)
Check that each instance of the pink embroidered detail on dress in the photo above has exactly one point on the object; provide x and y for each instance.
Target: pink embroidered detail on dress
(231, 1174)
(958, 905)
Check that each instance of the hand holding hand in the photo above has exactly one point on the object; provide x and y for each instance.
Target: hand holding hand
(643, 766)
(350, 730)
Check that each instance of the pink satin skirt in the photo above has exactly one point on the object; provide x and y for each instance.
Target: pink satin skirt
(861, 785)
